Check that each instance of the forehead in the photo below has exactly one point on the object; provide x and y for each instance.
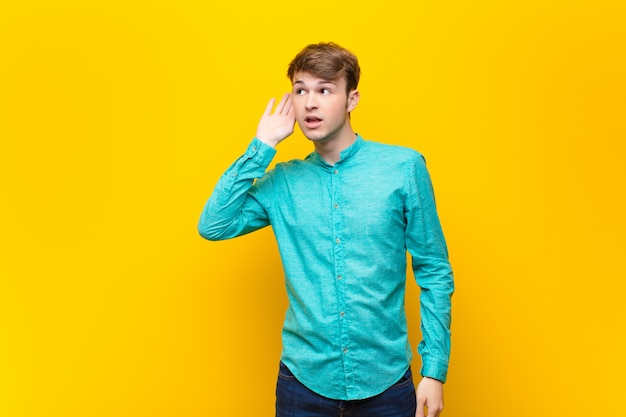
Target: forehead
(311, 80)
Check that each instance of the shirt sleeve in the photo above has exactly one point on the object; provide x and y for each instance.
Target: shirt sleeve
(232, 210)
(426, 244)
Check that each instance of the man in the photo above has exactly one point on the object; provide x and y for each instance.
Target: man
(344, 218)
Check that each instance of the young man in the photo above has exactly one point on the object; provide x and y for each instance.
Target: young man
(344, 218)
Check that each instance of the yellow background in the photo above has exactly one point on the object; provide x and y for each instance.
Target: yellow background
(117, 118)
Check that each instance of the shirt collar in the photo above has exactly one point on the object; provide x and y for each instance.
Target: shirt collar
(345, 154)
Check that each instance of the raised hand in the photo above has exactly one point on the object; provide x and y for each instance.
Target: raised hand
(275, 127)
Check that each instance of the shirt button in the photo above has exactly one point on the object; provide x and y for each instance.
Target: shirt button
(342, 314)
(339, 276)
(345, 350)
(254, 148)
(337, 240)
(335, 172)
(336, 205)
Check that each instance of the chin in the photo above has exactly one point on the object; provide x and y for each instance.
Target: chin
(315, 136)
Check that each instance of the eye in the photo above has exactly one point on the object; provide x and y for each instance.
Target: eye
(325, 91)
(299, 91)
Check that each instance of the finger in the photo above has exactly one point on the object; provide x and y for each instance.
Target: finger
(434, 411)
(283, 102)
(289, 106)
(268, 108)
(420, 408)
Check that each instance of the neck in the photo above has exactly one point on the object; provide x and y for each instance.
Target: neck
(330, 149)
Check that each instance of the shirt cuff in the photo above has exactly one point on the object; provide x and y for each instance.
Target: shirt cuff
(435, 370)
(260, 152)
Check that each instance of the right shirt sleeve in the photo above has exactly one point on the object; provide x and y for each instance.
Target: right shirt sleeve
(231, 210)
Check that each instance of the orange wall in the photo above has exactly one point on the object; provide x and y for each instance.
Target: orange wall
(117, 119)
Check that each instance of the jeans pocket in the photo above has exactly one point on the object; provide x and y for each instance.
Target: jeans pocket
(407, 379)
(284, 372)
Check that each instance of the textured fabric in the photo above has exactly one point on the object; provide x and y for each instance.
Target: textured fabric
(343, 232)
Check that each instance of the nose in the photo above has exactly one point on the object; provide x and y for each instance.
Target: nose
(311, 101)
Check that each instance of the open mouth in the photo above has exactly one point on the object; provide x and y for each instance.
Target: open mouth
(312, 121)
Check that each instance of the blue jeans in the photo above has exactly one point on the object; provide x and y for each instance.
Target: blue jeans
(295, 400)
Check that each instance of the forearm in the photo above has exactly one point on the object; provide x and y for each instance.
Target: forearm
(435, 309)
(231, 211)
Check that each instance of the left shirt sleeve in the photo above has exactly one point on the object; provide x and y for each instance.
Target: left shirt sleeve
(232, 210)
(426, 244)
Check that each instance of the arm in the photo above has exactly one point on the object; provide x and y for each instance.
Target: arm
(433, 273)
(232, 210)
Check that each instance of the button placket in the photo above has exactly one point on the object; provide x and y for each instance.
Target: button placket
(341, 284)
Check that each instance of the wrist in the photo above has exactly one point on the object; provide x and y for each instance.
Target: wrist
(432, 379)
(268, 142)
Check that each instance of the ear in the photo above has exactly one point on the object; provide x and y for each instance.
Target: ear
(353, 100)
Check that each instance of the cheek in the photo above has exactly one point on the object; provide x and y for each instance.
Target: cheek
(298, 107)
(342, 107)
(298, 111)
(343, 104)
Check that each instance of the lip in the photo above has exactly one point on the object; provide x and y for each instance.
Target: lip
(311, 121)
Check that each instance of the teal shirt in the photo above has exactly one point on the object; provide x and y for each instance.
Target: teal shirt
(343, 231)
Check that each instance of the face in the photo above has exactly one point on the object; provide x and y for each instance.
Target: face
(321, 106)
